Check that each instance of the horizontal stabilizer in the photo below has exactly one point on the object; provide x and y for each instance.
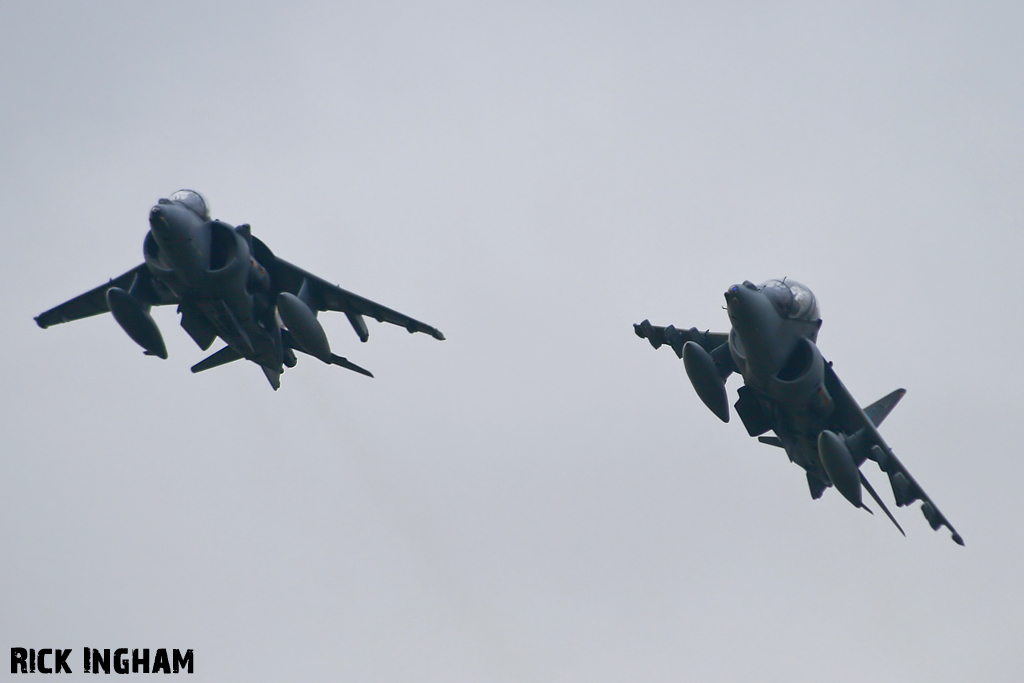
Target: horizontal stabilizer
(871, 490)
(881, 408)
(225, 355)
(346, 363)
(289, 342)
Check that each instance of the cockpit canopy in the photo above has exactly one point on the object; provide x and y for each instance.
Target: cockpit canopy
(194, 201)
(791, 299)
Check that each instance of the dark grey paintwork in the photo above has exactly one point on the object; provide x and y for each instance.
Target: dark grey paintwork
(226, 284)
(789, 389)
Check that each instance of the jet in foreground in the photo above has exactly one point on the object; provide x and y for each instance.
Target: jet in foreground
(789, 389)
(226, 284)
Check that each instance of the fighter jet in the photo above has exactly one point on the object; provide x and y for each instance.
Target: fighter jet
(226, 284)
(789, 389)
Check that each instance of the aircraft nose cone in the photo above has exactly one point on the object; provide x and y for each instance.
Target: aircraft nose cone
(736, 291)
(158, 220)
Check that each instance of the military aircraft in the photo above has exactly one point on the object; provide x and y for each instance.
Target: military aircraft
(226, 284)
(789, 389)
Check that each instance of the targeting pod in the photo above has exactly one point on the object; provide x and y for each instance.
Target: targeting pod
(134, 318)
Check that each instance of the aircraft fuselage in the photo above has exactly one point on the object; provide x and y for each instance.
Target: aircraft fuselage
(209, 266)
(789, 389)
(228, 284)
(783, 372)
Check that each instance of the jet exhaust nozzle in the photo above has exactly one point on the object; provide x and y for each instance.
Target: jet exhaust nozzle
(304, 326)
(706, 381)
(135, 320)
(840, 467)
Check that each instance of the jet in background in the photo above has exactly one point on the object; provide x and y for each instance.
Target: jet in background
(789, 389)
(226, 284)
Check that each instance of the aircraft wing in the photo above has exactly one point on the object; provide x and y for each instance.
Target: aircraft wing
(94, 301)
(677, 338)
(327, 297)
(851, 418)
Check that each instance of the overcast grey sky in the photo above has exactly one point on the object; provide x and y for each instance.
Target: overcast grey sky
(541, 497)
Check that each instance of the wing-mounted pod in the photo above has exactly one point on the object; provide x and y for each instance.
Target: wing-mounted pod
(705, 356)
(305, 328)
(841, 456)
(706, 380)
(305, 332)
(132, 313)
(840, 467)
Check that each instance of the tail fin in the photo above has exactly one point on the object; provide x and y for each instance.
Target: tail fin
(881, 408)
(871, 490)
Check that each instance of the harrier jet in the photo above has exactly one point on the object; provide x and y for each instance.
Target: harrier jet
(226, 284)
(789, 389)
